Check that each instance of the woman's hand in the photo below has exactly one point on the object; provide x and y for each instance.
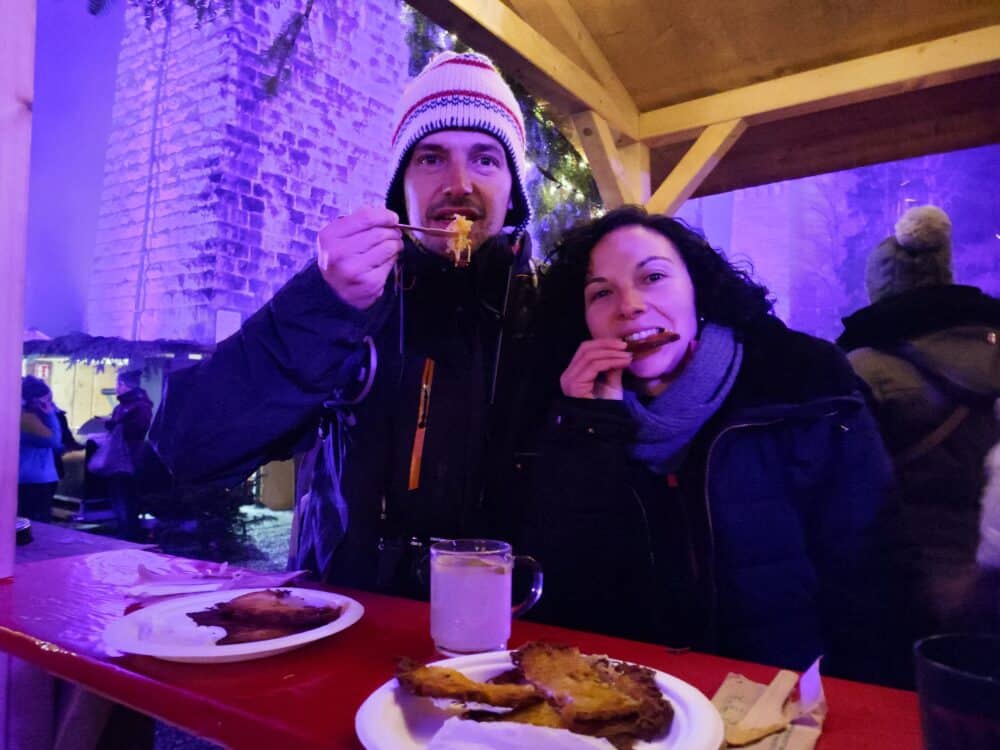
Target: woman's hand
(596, 370)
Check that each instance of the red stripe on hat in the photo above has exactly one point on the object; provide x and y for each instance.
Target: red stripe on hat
(463, 61)
(458, 92)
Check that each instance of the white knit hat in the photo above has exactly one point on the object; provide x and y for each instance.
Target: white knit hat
(460, 92)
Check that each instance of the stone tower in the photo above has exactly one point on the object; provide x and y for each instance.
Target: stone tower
(214, 191)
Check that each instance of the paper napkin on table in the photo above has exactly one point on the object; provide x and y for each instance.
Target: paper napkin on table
(208, 577)
(142, 575)
(769, 717)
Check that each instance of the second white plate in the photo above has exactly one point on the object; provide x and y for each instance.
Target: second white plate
(165, 631)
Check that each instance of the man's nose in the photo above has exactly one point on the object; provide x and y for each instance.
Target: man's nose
(457, 181)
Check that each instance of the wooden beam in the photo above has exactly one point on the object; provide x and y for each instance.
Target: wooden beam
(941, 61)
(495, 30)
(636, 160)
(943, 118)
(17, 39)
(605, 162)
(700, 159)
(557, 20)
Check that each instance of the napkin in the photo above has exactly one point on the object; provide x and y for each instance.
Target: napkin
(210, 577)
(459, 734)
(142, 575)
(773, 717)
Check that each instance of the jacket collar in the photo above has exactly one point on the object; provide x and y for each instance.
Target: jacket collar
(132, 395)
(436, 279)
(790, 368)
(917, 313)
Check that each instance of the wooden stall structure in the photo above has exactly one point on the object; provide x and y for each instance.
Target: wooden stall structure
(682, 99)
(17, 66)
(668, 101)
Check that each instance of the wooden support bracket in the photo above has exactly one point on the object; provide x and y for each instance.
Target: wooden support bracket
(691, 170)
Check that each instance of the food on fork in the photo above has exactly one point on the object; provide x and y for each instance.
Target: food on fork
(587, 695)
(262, 615)
(460, 244)
(646, 341)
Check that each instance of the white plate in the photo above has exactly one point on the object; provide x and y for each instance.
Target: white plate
(392, 719)
(165, 631)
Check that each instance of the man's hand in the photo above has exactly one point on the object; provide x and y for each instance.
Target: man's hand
(596, 370)
(357, 252)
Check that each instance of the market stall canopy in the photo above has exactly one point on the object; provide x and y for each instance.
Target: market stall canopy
(677, 99)
(82, 347)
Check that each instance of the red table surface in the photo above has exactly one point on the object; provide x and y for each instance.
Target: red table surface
(53, 612)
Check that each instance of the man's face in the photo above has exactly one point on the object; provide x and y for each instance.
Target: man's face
(457, 172)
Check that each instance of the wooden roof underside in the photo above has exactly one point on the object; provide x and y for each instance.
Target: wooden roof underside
(689, 98)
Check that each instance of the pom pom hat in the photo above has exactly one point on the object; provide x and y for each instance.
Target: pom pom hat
(917, 254)
(460, 92)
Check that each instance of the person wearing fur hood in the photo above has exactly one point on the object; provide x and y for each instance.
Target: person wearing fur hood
(927, 348)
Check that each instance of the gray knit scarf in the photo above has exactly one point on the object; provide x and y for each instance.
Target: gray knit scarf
(668, 422)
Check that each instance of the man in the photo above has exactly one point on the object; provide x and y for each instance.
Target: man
(392, 368)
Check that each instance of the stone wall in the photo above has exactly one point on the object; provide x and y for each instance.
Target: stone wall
(214, 191)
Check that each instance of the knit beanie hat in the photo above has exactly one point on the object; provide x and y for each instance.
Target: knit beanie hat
(32, 387)
(460, 92)
(130, 378)
(917, 254)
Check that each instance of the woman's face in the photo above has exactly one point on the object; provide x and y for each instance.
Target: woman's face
(638, 285)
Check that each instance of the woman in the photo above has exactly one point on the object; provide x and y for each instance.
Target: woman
(721, 491)
(40, 437)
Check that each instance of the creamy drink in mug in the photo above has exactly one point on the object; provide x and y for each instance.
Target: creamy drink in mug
(471, 594)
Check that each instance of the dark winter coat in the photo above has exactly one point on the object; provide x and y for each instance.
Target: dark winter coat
(133, 414)
(932, 361)
(69, 443)
(765, 545)
(262, 394)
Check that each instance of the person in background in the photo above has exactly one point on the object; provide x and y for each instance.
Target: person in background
(41, 436)
(978, 607)
(69, 443)
(722, 488)
(928, 349)
(390, 365)
(132, 416)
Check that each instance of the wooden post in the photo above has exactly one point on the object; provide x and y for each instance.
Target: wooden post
(605, 161)
(17, 40)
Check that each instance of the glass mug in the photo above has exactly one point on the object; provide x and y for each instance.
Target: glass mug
(471, 594)
(958, 683)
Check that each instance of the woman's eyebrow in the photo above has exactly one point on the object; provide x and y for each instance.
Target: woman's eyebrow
(594, 280)
(651, 258)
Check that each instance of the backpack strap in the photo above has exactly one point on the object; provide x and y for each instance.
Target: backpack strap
(967, 400)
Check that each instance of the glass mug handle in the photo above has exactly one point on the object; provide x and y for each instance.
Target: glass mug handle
(537, 581)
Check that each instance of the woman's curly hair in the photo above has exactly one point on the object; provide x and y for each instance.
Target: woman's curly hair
(724, 294)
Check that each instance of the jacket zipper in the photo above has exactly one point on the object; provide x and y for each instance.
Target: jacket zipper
(645, 525)
(713, 585)
(423, 413)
